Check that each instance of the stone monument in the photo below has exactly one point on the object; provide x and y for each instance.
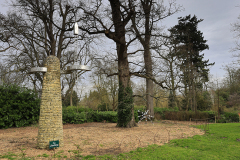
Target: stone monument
(50, 119)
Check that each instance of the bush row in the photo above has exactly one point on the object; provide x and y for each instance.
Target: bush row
(227, 117)
(76, 109)
(11, 114)
(174, 114)
(18, 106)
(70, 115)
(187, 115)
(93, 116)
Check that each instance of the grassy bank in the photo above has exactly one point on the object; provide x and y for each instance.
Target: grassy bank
(221, 142)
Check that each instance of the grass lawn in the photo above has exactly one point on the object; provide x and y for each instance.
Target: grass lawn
(221, 142)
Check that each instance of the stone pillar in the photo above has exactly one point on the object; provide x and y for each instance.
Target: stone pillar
(50, 119)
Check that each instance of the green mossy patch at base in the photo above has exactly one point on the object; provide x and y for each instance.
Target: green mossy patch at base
(125, 107)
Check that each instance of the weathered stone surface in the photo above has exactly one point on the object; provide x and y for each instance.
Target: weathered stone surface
(50, 119)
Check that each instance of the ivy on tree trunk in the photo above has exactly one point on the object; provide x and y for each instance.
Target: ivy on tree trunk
(125, 107)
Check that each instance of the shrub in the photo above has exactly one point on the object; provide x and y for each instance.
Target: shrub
(161, 111)
(211, 115)
(227, 117)
(174, 114)
(204, 101)
(92, 116)
(19, 106)
(75, 109)
(108, 116)
(136, 116)
(69, 116)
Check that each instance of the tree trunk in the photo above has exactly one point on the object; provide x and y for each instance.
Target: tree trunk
(191, 98)
(191, 80)
(194, 92)
(186, 97)
(71, 93)
(125, 98)
(148, 58)
(186, 87)
(149, 90)
(190, 95)
(194, 97)
(173, 83)
(149, 82)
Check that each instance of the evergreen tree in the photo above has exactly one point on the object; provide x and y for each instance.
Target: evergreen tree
(190, 43)
(75, 99)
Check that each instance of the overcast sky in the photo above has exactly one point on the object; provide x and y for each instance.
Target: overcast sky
(218, 16)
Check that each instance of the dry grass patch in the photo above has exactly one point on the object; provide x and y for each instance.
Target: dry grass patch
(96, 138)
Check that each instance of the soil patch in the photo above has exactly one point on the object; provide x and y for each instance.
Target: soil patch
(96, 138)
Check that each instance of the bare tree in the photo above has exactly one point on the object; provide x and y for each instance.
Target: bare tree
(113, 24)
(35, 29)
(9, 77)
(147, 15)
(166, 50)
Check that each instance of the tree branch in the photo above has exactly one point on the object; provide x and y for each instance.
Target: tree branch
(151, 78)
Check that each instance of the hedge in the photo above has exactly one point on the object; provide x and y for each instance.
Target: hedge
(228, 117)
(18, 106)
(173, 114)
(71, 116)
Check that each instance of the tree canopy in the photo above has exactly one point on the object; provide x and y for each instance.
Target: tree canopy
(190, 43)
